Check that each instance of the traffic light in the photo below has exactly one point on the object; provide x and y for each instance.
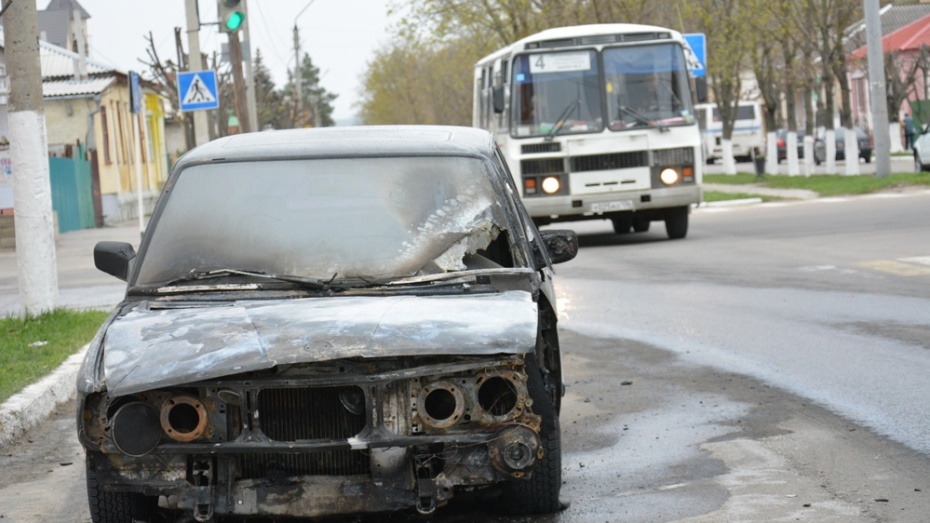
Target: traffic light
(232, 15)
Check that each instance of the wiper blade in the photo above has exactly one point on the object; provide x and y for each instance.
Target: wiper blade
(459, 276)
(560, 121)
(219, 273)
(639, 117)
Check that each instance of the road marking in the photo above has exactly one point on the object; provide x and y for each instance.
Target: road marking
(924, 260)
(897, 267)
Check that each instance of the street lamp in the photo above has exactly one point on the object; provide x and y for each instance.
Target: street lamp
(297, 75)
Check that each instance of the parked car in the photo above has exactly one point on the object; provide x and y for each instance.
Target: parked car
(862, 138)
(922, 150)
(328, 321)
(781, 136)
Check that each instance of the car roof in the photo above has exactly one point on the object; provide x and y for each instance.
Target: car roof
(330, 142)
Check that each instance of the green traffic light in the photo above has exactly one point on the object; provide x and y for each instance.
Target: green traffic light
(234, 21)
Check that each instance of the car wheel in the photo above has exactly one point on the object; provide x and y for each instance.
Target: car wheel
(640, 224)
(676, 222)
(867, 158)
(114, 507)
(622, 223)
(918, 164)
(539, 494)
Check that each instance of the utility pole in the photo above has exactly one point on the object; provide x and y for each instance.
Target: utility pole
(297, 67)
(239, 87)
(195, 63)
(32, 191)
(298, 97)
(873, 35)
(250, 77)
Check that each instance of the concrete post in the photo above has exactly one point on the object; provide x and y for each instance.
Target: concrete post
(873, 36)
(195, 63)
(32, 192)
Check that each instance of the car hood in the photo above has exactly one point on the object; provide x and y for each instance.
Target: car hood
(154, 345)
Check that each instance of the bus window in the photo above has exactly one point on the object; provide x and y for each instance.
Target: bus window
(647, 85)
(556, 93)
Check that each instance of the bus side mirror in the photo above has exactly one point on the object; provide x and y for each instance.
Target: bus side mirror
(700, 89)
(497, 99)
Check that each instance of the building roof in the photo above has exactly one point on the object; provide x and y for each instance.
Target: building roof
(58, 67)
(909, 37)
(59, 62)
(70, 88)
(893, 17)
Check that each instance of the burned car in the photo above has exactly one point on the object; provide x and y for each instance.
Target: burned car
(328, 321)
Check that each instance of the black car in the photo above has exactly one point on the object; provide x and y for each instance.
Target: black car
(862, 138)
(781, 137)
(328, 321)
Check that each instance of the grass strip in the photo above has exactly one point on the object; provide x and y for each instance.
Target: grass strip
(826, 184)
(31, 347)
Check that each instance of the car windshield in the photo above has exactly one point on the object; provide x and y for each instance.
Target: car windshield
(324, 218)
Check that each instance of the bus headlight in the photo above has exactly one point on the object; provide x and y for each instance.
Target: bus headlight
(669, 176)
(551, 185)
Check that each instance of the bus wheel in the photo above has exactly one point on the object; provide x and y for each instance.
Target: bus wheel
(640, 224)
(676, 222)
(622, 223)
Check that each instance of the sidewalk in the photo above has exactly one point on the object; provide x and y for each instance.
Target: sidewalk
(81, 286)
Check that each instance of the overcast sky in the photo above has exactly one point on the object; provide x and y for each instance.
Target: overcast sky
(339, 35)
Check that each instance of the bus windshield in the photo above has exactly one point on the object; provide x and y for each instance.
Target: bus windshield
(561, 92)
(557, 93)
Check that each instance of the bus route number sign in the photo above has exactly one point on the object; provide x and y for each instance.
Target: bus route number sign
(560, 62)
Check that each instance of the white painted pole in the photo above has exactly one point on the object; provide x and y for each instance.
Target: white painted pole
(873, 36)
(137, 164)
(32, 191)
(195, 63)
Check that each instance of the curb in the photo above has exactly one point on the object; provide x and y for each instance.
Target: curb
(730, 203)
(28, 408)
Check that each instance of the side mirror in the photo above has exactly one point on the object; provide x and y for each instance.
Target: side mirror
(497, 99)
(562, 244)
(114, 258)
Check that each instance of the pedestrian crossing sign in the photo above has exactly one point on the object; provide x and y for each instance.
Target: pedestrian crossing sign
(197, 90)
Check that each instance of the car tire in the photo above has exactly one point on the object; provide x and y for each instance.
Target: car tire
(622, 223)
(640, 224)
(539, 494)
(676, 222)
(114, 507)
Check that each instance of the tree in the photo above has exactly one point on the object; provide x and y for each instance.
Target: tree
(269, 102)
(825, 22)
(315, 108)
(419, 83)
(724, 23)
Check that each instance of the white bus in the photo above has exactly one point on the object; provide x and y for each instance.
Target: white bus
(748, 130)
(597, 122)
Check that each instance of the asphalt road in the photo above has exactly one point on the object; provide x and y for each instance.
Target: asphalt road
(770, 367)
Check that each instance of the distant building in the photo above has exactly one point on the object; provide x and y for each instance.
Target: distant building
(88, 116)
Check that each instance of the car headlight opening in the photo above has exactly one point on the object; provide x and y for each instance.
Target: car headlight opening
(136, 429)
(183, 418)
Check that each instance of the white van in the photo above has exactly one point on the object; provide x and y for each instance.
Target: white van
(748, 131)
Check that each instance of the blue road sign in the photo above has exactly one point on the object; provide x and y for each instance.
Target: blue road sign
(197, 90)
(135, 93)
(698, 44)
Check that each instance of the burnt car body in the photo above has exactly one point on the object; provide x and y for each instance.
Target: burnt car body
(328, 321)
